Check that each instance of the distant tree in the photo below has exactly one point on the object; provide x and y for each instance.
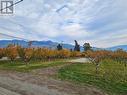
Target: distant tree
(59, 47)
(77, 46)
(86, 46)
(11, 45)
(71, 50)
(120, 50)
(30, 43)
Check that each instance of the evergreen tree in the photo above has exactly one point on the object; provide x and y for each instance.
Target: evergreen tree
(59, 47)
(86, 46)
(77, 46)
(71, 50)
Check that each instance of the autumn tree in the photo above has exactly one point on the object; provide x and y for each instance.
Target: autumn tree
(49, 54)
(26, 54)
(96, 57)
(29, 52)
(21, 53)
(37, 54)
(45, 53)
(75, 54)
(1, 53)
(121, 56)
(11, 52)
(64, 53)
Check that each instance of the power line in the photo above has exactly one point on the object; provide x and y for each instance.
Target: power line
(13, 36)
(58, 10)
(28, 41)
(21, 24)
(10, 35)
(12, 22)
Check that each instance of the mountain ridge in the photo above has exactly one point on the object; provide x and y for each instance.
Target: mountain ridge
(51, 44)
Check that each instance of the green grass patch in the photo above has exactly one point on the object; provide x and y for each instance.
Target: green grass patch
(111, 78)
(22, 67)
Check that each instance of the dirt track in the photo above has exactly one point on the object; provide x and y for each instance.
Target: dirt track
(26, 88)
(81, 60)
(40, 82)
(7, 92)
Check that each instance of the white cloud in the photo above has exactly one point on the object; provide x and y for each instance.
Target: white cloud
(74, 30)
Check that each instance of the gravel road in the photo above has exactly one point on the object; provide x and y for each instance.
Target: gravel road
(14, 87)
(4, 91)
(81, 60)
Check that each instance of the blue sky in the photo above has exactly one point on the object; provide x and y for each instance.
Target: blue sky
(103, 23)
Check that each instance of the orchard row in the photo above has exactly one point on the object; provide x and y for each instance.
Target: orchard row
(26, 54)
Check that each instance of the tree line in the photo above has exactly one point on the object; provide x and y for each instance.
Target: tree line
(86, 47)
(14, 52)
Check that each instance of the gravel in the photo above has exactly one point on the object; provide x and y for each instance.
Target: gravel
(81, 60)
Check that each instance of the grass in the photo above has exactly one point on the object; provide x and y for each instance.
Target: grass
(111, 78)
(20, 66)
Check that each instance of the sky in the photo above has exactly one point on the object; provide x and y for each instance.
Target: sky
(102, 23)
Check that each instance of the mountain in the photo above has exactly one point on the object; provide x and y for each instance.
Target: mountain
(124, 47)
(48, 44)
(53, 45)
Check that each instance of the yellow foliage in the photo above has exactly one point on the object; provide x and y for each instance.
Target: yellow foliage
(75, 54)
(11, 52)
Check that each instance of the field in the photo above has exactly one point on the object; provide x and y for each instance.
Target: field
(20, 66)
(111, 78)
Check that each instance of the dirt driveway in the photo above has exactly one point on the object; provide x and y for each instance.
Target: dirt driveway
(81, 60)
(40, 82)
